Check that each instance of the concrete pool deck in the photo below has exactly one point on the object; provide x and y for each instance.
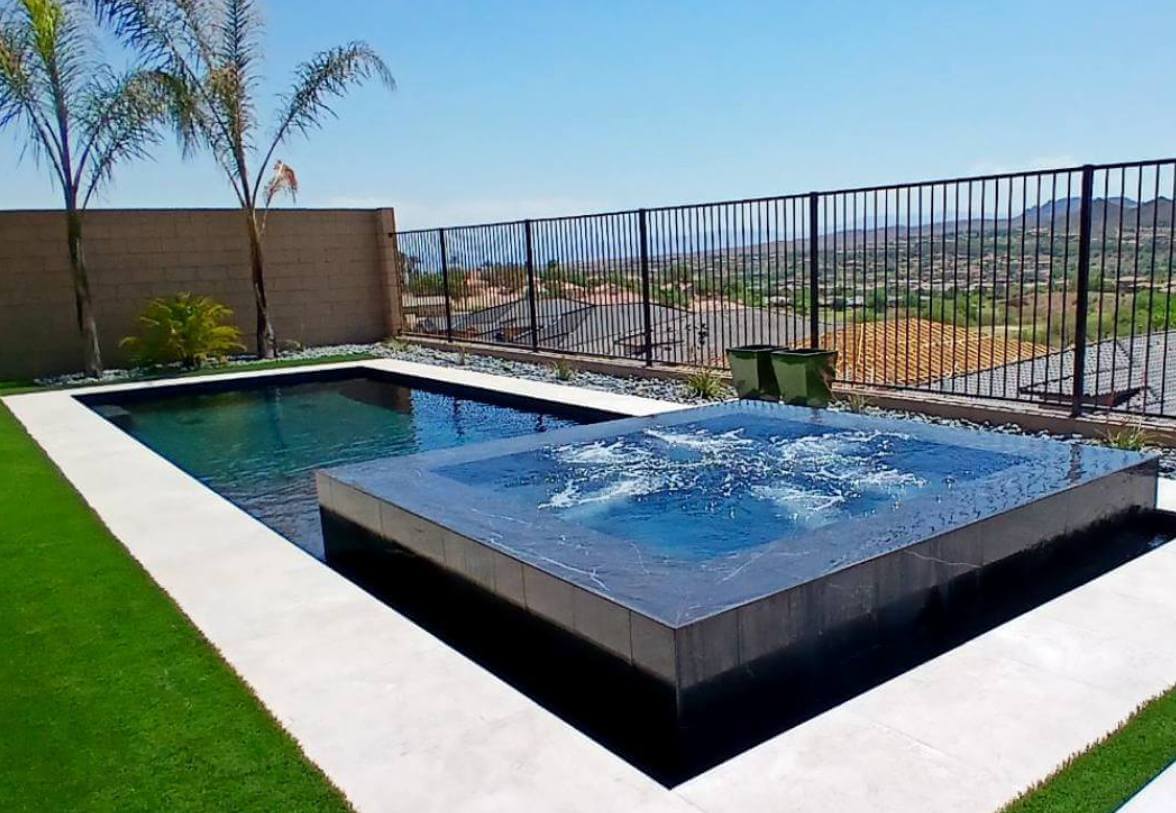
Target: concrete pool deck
(1158, 796)
(399, 721)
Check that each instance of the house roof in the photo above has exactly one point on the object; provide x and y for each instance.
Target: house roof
(1134, 373)
(697, 335)
(919, 351)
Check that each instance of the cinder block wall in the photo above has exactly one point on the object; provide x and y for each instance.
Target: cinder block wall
(326, 276)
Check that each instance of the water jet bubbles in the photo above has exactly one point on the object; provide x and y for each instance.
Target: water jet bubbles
(725, 471)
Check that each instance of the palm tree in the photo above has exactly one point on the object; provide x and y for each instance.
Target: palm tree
(76, 114)
(207, 52)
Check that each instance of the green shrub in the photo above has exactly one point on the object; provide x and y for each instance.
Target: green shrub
(1133, 438)
(184, 329)
(706, 383)
(854, 402)
(508, 277)
(563, 370)
(433, 283)
(671, 297)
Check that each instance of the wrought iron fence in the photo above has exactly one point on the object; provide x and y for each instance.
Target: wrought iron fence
(1047, 286)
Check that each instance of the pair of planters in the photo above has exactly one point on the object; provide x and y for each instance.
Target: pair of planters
(799, 376)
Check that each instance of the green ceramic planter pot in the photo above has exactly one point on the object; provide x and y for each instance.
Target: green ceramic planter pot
(805, 377)
(752, 372)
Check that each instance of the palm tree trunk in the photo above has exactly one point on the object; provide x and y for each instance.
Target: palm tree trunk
(266, 344)
(87, 324)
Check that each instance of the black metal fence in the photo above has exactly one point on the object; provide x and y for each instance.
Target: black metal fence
(1046, 286)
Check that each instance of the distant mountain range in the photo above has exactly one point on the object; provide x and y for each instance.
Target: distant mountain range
(1109, 211)
(1112, 211)
(1106, 216)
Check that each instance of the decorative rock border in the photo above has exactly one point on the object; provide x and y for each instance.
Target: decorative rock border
(662, 389)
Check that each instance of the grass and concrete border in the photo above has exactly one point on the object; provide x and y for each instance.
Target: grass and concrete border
(395, 719)
(110, 698)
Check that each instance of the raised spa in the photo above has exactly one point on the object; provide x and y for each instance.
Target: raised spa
(709, 541)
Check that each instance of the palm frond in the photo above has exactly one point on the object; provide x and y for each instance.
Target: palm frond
(283, 181)
(58, 36)
(118, 120)
(325, 77)
(182, 108)
(17, 92)
(236, 37)
(79, 112)
(195, 30)
(25, 98)
(236, 47)
(230, 101)
(164, 34)
(175, 38)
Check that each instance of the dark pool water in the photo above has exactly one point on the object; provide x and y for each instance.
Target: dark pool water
(259, 447)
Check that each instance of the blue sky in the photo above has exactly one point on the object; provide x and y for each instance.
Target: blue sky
(515, 109)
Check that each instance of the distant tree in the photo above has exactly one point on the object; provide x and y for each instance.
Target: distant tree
(877, 299)
(508, 276)
(208, 54)
(671, 297)
(77, 115)
(408, 262)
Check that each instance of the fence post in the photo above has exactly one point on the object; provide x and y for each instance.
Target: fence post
(1083, 289)
(532, 294)
(814, 281)
(445, 286)
(646, 295)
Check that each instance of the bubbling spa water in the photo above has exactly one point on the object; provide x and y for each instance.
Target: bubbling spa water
(804, 480)
(695, 491)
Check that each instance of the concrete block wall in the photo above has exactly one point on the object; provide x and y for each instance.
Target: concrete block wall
(327, 277)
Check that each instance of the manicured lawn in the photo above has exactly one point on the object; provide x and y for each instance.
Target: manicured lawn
(10, 386)
(13, 387)
(109, 698)
(1102, 778)
(274, 364)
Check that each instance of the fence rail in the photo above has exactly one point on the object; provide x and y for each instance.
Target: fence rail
(1050, 286)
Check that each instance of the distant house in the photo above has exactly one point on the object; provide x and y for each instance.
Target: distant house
(919, 351)
(699, 334)
(1131, 372)
(509, 322)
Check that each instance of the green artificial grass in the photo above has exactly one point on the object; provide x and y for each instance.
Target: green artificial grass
(272, 364)
(17, 386)
(11, 386)
(109, 698)
(1103, 777)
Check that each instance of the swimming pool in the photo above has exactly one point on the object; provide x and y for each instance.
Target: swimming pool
(629, 487)
(258, 442)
